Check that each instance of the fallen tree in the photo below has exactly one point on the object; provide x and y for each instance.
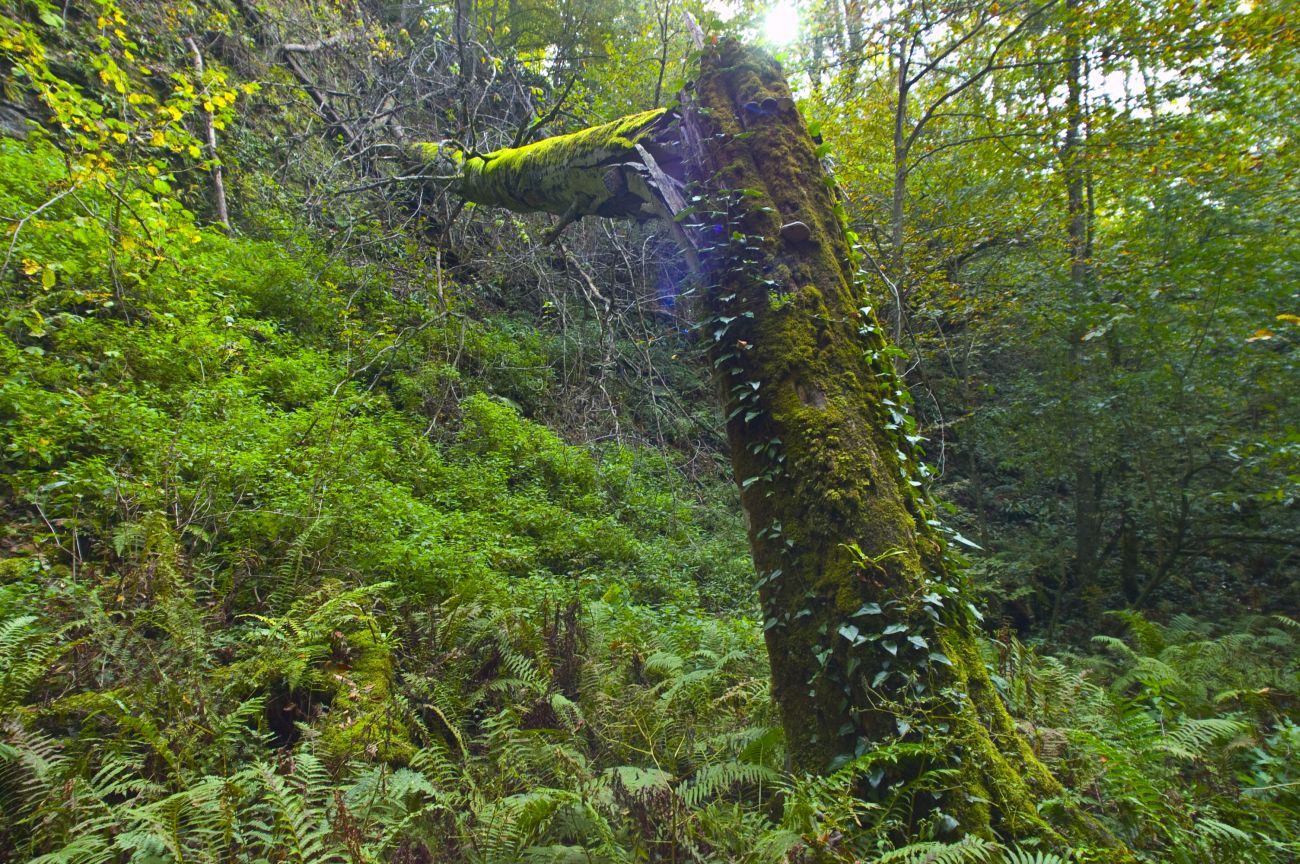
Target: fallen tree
(872, 640)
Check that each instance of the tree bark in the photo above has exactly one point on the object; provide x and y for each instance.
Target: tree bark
(871, 638)
(210, 139)
(1088, 480)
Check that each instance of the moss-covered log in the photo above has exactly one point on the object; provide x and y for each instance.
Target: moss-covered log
(872, 639)
(605, 170)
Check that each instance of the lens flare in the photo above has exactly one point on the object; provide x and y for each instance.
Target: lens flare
(781, 26)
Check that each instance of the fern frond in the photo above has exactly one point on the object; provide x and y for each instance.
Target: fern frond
(1221, 834)
(1027, 856)
(1288, 622)
(29, 760)
(292, 827)
(1151, 637)
(968, 850)
(1192, 738)
(1119, 646)
(722, 777)
(85, 848)
(26, 652)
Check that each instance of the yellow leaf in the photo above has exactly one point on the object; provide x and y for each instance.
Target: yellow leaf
(1260, 335)
(1289, 318)
(47, 279)
(30, 267)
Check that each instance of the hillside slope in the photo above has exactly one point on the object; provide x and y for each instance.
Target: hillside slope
(371, 530)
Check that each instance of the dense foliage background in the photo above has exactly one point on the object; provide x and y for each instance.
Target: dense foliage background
(346, 522)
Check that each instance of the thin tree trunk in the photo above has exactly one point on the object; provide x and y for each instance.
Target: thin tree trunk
(1129, 563)
(210, 128)
(898, 194)
(1087, 480)
(664, 40)
(854, 31)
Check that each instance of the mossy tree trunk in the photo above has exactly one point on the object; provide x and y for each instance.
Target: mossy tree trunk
(871, 637)
(873, 644)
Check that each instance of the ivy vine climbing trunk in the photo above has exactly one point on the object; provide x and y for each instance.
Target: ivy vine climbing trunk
(872, 640)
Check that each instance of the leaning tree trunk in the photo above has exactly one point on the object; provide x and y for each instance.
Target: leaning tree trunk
(872, 641)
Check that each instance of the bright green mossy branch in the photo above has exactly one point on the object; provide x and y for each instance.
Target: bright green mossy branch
(594, 172)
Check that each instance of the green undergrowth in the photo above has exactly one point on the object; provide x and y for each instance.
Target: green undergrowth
(237, 476)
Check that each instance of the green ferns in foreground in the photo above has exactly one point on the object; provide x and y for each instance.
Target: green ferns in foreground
(260, 600)
(651, 747)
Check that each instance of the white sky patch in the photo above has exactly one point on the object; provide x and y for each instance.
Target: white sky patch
(724, 9)
(781, 24)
